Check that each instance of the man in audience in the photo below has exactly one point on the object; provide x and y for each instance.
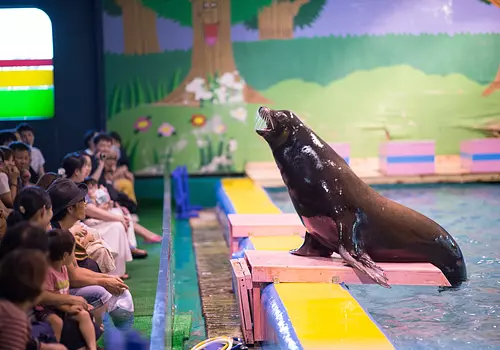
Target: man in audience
(37, 160)
(6, 137)
(102, 144)
(22, 158)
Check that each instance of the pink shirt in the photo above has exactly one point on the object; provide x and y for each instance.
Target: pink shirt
(57, 281)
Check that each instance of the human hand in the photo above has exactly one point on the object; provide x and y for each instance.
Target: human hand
(88, 238)
(125, 211)
(77, 228)
(80, 301)
(125, 221)
(114, 285)
(13, 173)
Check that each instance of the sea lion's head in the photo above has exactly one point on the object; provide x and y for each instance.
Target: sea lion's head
(277, 126)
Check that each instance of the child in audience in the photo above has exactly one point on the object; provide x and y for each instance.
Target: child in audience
(22, 158)
(22, 274)
(9, 176)
(37, 160)
(61, 254)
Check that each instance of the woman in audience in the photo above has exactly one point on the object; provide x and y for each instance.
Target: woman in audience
(9, 177)
(32, 204)
(112, 228)
(22, 274)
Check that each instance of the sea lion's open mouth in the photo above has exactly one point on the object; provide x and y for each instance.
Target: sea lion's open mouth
(263, 120)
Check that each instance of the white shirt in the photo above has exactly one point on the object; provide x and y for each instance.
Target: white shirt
(4, 184)
(37, 160)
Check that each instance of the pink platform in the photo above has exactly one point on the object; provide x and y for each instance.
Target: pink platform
(245, 225)
(485, 146)
(260, 267)
(269, 266)
(407, 148)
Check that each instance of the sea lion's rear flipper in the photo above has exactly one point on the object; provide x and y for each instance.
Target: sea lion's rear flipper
(351, 248)
(312, 247)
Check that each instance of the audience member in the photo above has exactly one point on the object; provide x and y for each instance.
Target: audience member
(89, 143)
(32, 204)
(22, 274)
(37, 160)
(22, 154)
(8, 169)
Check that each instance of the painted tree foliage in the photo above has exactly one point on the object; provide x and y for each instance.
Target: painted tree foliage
(281, 17)
(495, 84)
(212, 50)
(139, 25)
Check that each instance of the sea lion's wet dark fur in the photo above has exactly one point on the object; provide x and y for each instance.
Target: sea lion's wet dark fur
(344, 215)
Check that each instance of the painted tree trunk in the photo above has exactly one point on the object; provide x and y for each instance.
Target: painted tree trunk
(494, 86)
(212, 53)
(139, 28)
(276, 21)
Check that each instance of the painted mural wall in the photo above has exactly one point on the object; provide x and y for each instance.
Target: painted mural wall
(184, 78)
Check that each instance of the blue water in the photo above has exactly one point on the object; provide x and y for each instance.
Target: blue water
(421, 317)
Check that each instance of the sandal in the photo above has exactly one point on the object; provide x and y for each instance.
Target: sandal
(139, 253)
(124, 277)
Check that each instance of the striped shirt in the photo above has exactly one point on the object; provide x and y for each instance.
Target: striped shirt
(14, 327)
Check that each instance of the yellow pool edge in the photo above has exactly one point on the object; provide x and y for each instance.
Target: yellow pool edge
(311, 307)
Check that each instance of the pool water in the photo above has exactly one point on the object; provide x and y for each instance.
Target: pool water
(418, 317)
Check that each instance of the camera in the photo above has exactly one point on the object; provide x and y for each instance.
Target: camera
(103, 156)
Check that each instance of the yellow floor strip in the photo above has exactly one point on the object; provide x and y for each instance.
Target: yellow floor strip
(248, 197)
(26, 78)
(326, 316)
(276, 242)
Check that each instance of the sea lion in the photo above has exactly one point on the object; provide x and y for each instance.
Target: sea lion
(344, 215)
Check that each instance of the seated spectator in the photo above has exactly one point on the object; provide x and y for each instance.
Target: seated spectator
(99, 196)
(89, 143)
(7, 137)
(119, 181)
(9, 175)
(32, 204)
(110, 227)
(22, 159)
(37, 160)
(61, 251)
(22, 274)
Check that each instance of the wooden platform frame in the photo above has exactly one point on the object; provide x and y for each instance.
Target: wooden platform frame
(259, 268)
(248, 225)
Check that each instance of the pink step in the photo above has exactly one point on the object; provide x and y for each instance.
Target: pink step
(343, 149)
(481, 146)
(245, 225)
(481, 155)
(271, 266)
(407, 148)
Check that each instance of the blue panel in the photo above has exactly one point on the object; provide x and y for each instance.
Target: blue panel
(410, 159)
(347, 160)
(278, 319)
(481, 156)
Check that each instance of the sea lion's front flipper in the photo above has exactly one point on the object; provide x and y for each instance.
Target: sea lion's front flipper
(312, 247)
(352, 251)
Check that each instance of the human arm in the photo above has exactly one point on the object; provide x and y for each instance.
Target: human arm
(81, 277)
(97, 213)
(96, 175)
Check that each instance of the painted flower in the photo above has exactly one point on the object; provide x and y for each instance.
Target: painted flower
(232, 145)
(198, 120)
(220, 129)
(166, 130)
(239, 113)
(142, 124)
